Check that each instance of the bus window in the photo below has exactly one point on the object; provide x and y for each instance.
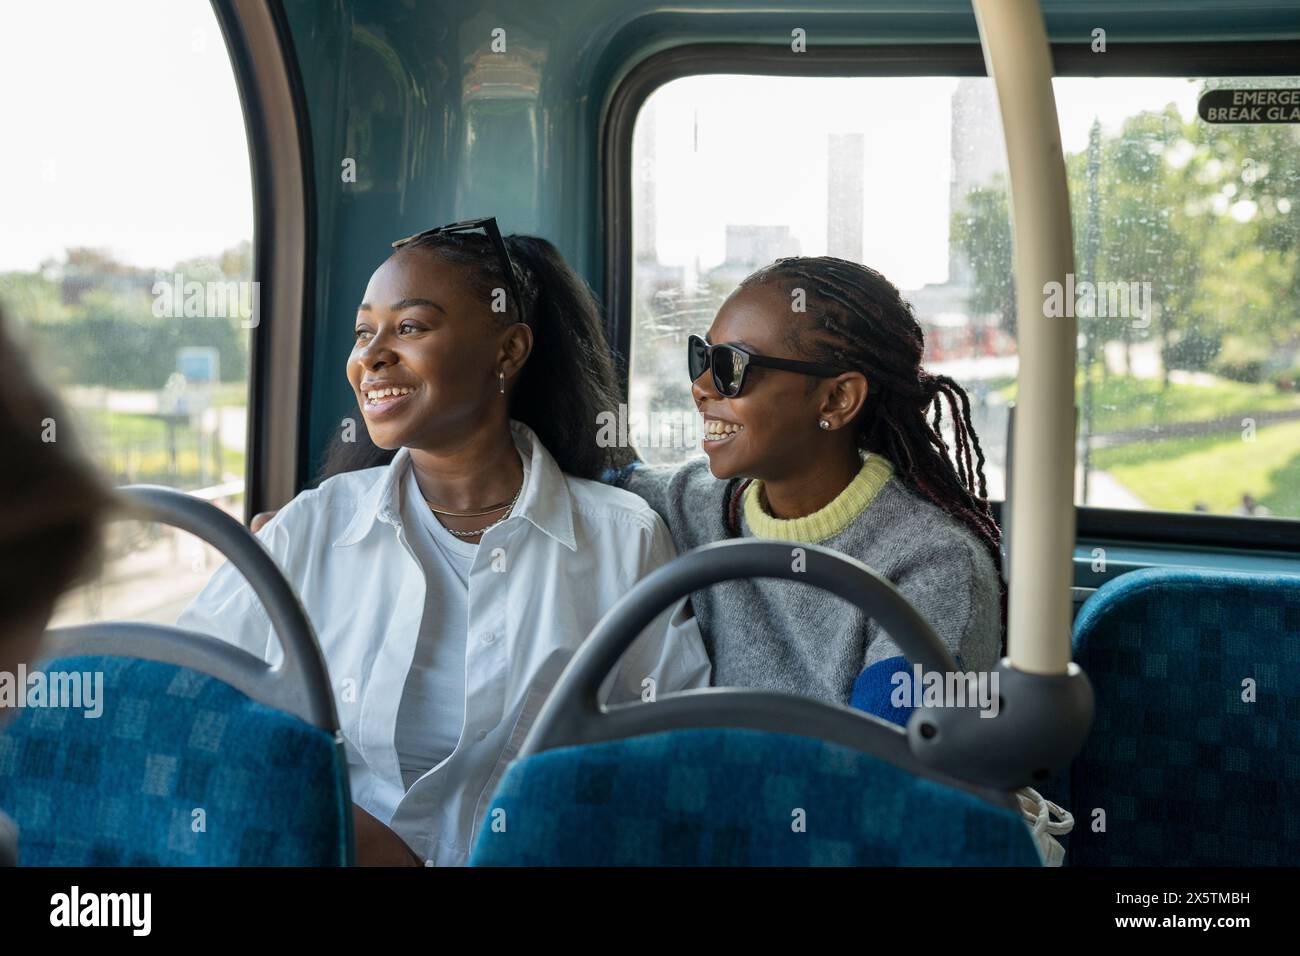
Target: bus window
(126, 265)
(1187, 281)
(1188, 373)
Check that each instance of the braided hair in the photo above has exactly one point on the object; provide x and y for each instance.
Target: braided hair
(569, 377)
(859, 320)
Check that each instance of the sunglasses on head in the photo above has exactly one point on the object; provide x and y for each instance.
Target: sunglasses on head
(731, 363)
(489, 227)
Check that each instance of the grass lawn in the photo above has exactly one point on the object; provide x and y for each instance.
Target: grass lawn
(230, 393)
(1124, 402)
(1173, 474)
(134, 448)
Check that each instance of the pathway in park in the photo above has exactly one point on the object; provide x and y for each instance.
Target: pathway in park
(990, 421)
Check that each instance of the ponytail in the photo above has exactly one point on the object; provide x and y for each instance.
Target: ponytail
(569, 378)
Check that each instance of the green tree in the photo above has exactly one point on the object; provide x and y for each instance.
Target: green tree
(981, 228)
(32, 298)
(1206, 214)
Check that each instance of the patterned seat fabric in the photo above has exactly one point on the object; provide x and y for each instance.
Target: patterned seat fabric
(180, 769)
(1187, 769)
(722, 797)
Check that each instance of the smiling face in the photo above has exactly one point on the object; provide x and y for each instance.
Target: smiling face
(770, 430)
(428, 352)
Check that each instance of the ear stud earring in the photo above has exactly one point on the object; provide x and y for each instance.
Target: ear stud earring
(824, 424)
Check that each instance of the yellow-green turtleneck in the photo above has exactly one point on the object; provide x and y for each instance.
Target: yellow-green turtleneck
(828, 521)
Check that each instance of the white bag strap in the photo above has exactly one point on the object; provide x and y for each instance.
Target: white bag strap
(1038, 812)
(1046, 821)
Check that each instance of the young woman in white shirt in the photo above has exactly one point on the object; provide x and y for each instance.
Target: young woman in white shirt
(450, 585)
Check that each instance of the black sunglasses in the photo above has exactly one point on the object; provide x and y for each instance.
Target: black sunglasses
(730, 363)
(489, 226)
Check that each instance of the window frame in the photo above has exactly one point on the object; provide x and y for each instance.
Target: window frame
(1252, 58)
(278, 133)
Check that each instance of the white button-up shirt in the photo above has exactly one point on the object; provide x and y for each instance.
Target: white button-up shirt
(538, 585)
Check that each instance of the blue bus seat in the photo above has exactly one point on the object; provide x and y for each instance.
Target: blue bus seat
(737, 797)
(193, 752)
(180, 769)
(1187, 770)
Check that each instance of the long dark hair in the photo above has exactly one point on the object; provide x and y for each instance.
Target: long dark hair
(55, 500)
(859, 320)
(569, 377)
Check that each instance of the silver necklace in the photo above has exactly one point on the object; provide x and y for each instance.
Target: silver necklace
(471, 534)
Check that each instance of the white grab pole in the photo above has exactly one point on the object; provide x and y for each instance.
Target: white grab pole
(1042, 480)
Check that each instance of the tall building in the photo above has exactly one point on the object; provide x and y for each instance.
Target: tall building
(643, 184)
(658, 290)
(844, 184)
(748, 248)
(978, 155)
(978, 158)
(758, 245)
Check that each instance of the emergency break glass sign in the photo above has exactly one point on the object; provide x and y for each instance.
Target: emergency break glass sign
(1250, 106)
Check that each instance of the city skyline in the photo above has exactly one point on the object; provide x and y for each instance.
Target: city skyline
(718, 158)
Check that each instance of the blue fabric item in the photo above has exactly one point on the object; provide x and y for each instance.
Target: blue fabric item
(1187, 772)
(122, 789)
(874, 688)
(727, 797)
(616, 476)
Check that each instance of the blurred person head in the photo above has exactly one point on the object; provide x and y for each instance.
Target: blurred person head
(52, 505)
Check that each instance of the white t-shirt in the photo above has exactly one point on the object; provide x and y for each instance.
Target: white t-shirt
(432, 712)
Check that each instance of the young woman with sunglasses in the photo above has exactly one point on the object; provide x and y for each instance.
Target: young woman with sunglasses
(451, 579)
(822, 427)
